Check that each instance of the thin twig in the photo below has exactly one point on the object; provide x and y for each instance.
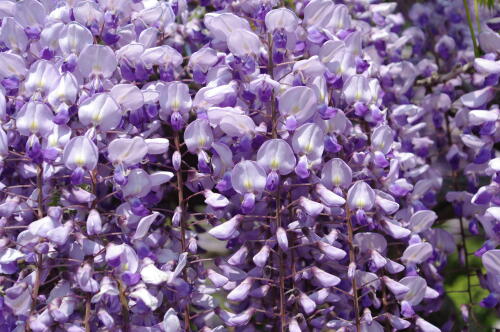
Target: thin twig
(124, 306)
(86, 321)
(274, 131)
(352, 260)
(182, 203)
(436, 78)
(39, 256)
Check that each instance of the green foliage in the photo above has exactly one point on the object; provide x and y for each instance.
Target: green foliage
(290, 4)
(55, 199)
(456, 295)
(167, 222)
(86, 187)
(486, 3)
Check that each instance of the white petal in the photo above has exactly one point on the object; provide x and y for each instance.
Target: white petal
(417, 253)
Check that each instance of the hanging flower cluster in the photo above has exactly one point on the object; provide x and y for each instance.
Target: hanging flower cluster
(241, 165)
(462, 104)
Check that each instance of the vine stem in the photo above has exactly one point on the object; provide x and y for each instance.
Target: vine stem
(88, 308)
(441, 78)
(39, 184)
(466, 258)
(464, 247)
(270, 69)
(471, 28)
(462, 228)
(293, 254)
(352, 260)
(281, 259)
(124, 306)
(180, 197)
(476, 11)
(86, 321)
(39, 256)
(282, 266)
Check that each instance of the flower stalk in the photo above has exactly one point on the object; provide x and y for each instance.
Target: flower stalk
(471, 28)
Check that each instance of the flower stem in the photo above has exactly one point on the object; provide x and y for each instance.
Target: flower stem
(442, 78)
(124, 306)
(282, 271)
(476, 11)
(464, 248)
(281, 258)
(471, 28)
(36, 286)
(88, 309)
(181, 200)
(352, 260)
(39, 184)
(466, 258)
(39, 256)
(86, 321)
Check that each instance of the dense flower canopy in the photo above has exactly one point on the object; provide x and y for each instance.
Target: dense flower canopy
(221, 165)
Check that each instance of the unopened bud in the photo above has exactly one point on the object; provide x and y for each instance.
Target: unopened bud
(351, 270)
(176, 219)
(176, 160)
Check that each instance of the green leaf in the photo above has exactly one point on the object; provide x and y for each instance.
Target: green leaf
(481, 319)
(55, 199)
(486, 3)
(86, 187)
